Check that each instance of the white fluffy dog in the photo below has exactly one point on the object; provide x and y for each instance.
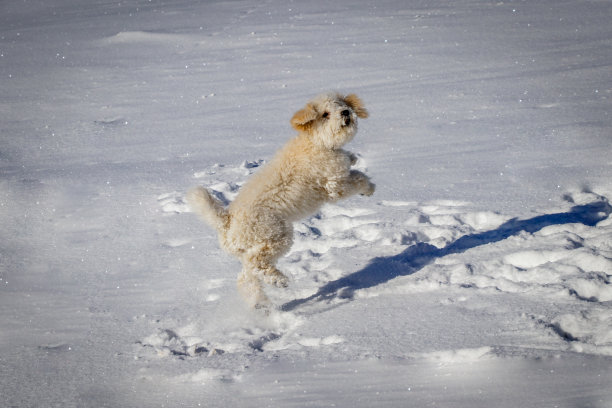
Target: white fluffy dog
(311, 169)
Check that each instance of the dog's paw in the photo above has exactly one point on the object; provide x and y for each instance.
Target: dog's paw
(371, 187)
(251, 290)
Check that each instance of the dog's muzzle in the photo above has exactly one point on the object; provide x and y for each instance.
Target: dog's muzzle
(346, 116)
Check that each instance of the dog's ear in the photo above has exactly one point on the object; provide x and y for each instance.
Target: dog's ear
(302, 119)
(356, 104)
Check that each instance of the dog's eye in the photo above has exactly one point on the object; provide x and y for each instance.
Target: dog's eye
(326, 114)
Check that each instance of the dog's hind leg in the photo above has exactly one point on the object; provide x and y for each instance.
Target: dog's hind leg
(263, 259)
(276, 238)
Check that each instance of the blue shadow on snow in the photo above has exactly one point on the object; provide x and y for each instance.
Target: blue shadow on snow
(415, 257)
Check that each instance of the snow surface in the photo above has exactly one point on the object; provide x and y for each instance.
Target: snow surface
(478, 275)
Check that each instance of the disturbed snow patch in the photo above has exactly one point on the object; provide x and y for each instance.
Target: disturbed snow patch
(561, 255)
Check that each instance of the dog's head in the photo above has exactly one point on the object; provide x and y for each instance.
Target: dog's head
(330, 119)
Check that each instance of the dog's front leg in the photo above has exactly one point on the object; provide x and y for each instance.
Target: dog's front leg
(351, 157)
(361, 182)
(355, 183)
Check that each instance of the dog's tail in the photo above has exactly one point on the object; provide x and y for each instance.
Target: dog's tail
(209, 208)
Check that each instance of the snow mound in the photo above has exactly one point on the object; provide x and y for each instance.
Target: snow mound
(589, 331)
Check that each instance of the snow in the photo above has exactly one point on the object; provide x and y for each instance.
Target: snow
(477, 275)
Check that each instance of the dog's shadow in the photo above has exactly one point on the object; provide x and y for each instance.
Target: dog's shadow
(415, 257)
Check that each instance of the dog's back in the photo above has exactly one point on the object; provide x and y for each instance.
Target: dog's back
(290, 185)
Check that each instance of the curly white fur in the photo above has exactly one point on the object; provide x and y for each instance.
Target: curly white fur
(309, 170)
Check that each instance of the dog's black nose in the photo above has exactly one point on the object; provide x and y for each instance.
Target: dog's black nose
(346, 112)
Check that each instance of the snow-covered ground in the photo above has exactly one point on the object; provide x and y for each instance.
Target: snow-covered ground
(478, 275)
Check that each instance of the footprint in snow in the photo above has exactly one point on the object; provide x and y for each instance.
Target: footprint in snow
(167, 342)
(173, 203)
